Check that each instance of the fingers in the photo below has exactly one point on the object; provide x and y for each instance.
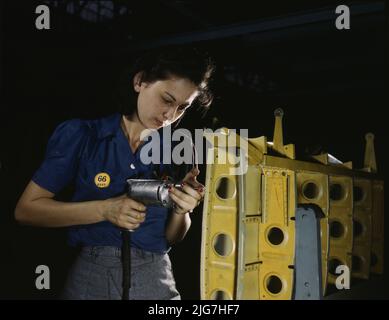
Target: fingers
(190, 180)
(182, 205)
(195, 171)
(196, 189)
(192, 174)
(135, 205)
(132, 214)
(131, 220)
(186, 200)
(135, 217)
(190, 195)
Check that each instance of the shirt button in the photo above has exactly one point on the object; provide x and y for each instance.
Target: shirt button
(132, 166)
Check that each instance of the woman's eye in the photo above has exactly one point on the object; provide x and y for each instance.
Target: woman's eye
(167, 101)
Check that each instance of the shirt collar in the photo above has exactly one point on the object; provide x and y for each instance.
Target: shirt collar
(109, 126)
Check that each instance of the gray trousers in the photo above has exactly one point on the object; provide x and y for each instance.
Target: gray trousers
(97, 275)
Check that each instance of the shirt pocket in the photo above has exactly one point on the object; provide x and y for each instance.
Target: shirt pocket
(92, 189)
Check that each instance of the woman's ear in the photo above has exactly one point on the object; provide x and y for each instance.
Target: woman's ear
(137, 81)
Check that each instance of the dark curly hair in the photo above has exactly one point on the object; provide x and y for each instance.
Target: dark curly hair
(162, 63)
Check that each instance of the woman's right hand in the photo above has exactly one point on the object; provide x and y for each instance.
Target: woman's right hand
(125, 212)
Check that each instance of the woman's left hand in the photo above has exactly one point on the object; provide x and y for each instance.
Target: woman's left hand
(191, 195)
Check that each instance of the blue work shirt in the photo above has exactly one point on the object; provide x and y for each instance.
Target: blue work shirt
(88, 153)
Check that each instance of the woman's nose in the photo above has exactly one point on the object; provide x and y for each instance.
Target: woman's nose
(169, 114)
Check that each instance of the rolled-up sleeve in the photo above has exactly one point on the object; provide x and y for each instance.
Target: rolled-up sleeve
(62, 156)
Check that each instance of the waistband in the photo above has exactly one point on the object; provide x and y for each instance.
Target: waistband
(110, 256)
(110, 251)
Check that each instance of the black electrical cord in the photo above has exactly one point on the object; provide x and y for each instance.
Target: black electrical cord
(126, 263)
(126, 244)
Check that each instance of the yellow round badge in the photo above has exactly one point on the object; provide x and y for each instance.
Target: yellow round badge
(102, 180)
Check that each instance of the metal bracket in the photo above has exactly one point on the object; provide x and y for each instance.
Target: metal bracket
(308, 281)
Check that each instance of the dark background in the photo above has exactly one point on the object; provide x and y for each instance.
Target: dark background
(289, 54)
